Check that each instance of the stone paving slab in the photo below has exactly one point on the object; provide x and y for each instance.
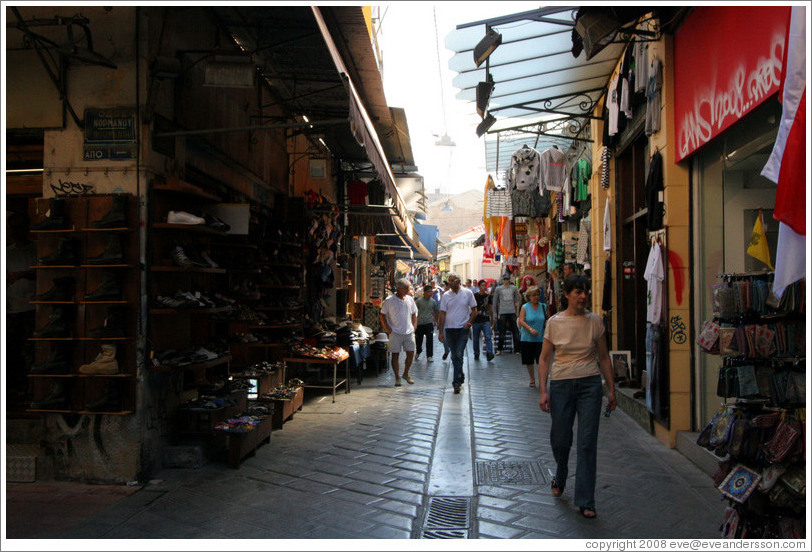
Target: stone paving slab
(359, 469)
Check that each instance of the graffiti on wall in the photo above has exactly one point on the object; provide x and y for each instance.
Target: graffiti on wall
(723, 102)
(68, 188)
(677, 330)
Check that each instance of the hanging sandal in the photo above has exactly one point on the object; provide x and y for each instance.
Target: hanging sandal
(588, 513)
(557, 491)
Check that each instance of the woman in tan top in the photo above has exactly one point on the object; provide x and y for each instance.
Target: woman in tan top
(577, 337)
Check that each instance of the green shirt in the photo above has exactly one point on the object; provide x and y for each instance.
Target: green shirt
(426, 309)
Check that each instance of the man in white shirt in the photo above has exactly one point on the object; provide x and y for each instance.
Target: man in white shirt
(457, 313)
(399, 320)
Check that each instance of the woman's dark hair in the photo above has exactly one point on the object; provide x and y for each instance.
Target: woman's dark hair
(576, 281)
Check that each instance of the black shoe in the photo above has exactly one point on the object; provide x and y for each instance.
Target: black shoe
(456, 389)
(57, 325)
(56, 219)
(62, 290)
(110, 402)
(63, 255)
(216, 223)
(445, 356)
(109, 290)
(114, 324)
(113, 254)
(57, 363)
(56, 400)
(476, 357)
(489, 356)
(116, 217)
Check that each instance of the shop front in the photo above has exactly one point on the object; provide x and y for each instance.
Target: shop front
(192, 260)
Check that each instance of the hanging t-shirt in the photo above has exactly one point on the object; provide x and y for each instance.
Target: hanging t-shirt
(499, 204)
(583, 172)
(654, 276)
(553, 169)
(613, 105)
(357, 192)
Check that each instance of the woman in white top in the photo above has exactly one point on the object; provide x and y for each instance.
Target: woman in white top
(577, 337)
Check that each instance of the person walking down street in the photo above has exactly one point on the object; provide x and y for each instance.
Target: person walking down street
(576, 337)
(567, 270)
(427, 313)
(531, 322)
(506, 302)
(399, 318)
(446, 348)
(457, 313)
(483, 321)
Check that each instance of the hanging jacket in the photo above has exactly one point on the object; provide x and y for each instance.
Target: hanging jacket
(524, 172)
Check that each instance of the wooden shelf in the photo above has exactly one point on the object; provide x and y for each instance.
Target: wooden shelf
(246, 270)
(225, 359)
(119, 376)
(105, 338)
(53, 266)
(178, 186)
(52, 302)
(189, 311)
(51, 375)
(107, 266)
(53, 411)
(65, 231)
(125, 229)
(104, 302)
(190, 269)
(51, 339)
(196, 228)
(271, 286)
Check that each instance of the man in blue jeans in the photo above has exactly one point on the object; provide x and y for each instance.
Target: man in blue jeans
(483, 321)
(457, 313)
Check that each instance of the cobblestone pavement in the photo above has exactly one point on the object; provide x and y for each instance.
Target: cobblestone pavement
(359, 469)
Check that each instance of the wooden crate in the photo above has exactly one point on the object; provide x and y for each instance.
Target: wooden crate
(284, 409)
(241, 445)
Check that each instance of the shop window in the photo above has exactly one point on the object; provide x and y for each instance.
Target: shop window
(728, 193)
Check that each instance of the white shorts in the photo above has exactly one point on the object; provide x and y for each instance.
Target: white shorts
(401, 341)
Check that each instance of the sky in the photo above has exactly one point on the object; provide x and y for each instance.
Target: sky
(412, 80)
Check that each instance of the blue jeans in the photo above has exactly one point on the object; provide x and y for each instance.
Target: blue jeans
(485, 329)
(568, 397)
(456, 338)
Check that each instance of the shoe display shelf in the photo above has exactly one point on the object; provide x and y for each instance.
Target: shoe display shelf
(283, 409)
(86, 288)
(242, 444)
(200, 421)
(317, 366)
(182, 327)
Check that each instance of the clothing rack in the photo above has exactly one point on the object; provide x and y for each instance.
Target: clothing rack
(728, 277)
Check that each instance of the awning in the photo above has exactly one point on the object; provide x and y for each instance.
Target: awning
(366, 135)
(542, 95)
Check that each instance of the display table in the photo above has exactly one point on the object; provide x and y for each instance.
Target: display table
(327, 362)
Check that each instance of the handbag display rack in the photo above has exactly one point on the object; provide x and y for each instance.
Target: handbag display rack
(759, 431)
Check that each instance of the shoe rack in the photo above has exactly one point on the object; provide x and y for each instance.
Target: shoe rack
(182, 327)
(86, 315)
(267, 274)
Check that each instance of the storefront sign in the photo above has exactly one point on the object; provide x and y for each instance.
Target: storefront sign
(110, 134)
(727, 61)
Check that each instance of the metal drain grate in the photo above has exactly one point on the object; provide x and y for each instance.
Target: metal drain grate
(502, 472)
(447, 518)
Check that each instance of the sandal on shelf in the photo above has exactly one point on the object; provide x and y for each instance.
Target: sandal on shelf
(557, 491)
(588, 513)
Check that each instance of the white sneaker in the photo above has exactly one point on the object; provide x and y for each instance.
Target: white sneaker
(182, 217)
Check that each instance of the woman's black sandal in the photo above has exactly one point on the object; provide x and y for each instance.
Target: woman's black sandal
(593, 513)
(557, 491)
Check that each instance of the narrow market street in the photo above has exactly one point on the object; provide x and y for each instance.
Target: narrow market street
(385, 462)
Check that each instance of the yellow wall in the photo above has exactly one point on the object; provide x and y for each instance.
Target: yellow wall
(677, 219)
